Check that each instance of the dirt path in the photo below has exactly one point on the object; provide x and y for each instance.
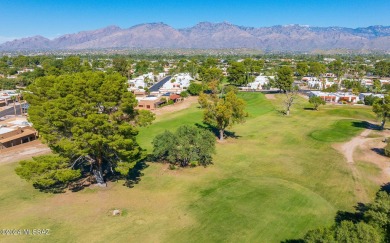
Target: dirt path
(24, 151)
(348, 148)
(365, 148)
(177, 107)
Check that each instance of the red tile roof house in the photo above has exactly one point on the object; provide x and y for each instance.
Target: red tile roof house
(175, 98)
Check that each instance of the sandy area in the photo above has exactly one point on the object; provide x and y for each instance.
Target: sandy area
(177, 107)
(24, 151)
(270, 96)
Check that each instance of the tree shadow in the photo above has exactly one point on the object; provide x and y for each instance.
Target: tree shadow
(282, 112)
(293, 241)
(380, 151)
(367, 125)
(215, 131)
(385, 187)
(355, 217)
(309, 109)
(135, 173)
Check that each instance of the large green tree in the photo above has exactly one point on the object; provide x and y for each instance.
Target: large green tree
(316, 101)
(382, 109)
(382, 69)
(187, 145)
(121, 66)
(371, 223)
(284, 79)
(90, 119)
(316, 68)
(302, 68)
(237, 73)
(223, 112)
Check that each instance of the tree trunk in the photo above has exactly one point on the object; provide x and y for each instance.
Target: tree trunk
(221, 132)
(287, 112)
(98, 172)
(383, 123)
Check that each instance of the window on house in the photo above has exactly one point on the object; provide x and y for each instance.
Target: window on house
(148, 106)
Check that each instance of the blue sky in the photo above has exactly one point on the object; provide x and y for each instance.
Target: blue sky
(51, 18)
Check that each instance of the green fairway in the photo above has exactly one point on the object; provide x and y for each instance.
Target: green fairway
(340, 131)
(277, 179)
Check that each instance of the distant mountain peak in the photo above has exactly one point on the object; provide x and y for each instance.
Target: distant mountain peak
(209, 35)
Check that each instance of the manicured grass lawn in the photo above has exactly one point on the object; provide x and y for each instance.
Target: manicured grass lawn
(278, 179)
(340, 131)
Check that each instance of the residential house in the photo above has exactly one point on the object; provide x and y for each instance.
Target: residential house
(258, 84)
(177, 84)
(16, 131)
(149, 103)
(364, 95)
(336, 97)
(316, 83)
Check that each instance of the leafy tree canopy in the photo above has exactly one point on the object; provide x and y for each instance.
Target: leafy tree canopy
(222, 112)
(88, 118)
(316, 101)
(188, 145)
(284, 79)
(382, 109)
(48, 172)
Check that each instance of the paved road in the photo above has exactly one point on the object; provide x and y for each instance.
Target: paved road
(158, 85)
(10, 111)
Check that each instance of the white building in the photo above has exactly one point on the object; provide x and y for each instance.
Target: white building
(259, 83)
(364, 95)
(335, 97)
(141, 82)
(366, 82)
(316, 83)
(177, 84)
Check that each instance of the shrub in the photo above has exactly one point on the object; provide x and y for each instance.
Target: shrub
(316, 101)
(195, 89)
(184, 94)
(370, 100)
(187, 146)
(229, 88)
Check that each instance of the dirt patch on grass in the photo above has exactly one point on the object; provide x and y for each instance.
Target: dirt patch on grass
(368, 149)
(24, 151)
(177, 107)
(270, 96)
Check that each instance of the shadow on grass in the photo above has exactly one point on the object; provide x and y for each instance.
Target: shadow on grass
(135, 174)
(355, 217)
(216, 131)
(385, 187)
(282, 112)
(367, 125)
(293, 241)
(309, 109)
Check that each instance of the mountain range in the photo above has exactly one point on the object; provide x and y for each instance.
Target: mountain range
(206, 35)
